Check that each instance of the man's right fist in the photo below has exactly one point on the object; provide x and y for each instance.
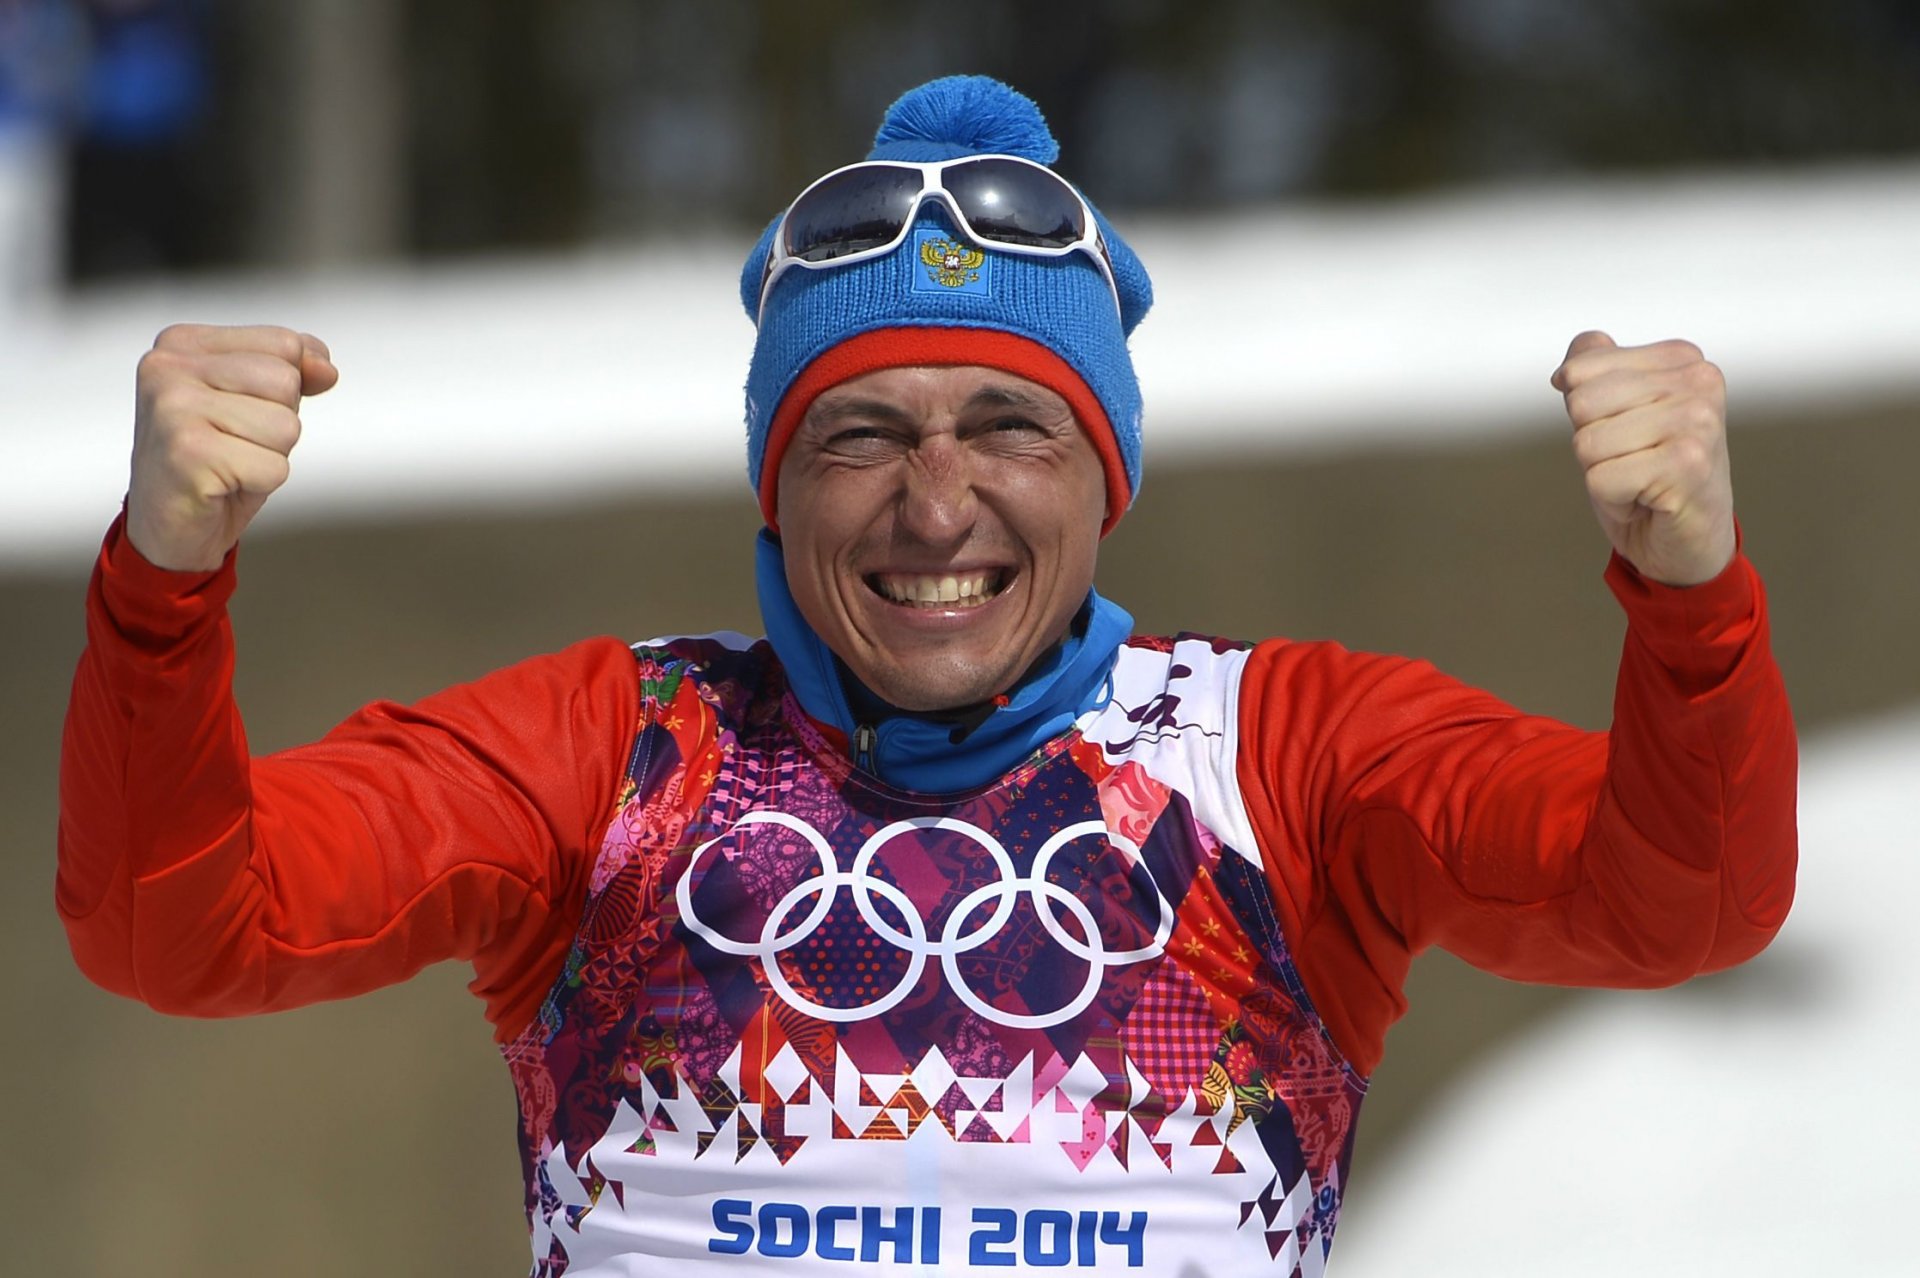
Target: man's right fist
(217, 413)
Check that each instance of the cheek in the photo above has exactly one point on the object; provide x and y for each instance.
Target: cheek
(1081, 539)
(819, 530)
(1066, 512)
(809, 567)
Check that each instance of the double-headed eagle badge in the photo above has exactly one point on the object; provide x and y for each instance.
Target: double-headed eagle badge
(951, 263)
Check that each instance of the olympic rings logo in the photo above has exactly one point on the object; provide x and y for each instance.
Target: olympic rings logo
(955, 938)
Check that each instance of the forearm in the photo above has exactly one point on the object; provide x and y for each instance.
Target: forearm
(1705, 757)
(153, 758)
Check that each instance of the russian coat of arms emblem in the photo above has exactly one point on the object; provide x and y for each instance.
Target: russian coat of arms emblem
(950, 263)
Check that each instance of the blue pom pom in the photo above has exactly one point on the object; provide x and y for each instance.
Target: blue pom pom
(964, 115)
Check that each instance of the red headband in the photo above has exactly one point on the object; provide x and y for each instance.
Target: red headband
(905, 347)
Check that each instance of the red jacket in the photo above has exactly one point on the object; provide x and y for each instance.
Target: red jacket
(1395, 807)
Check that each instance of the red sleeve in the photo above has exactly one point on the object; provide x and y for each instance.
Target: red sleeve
(1397, 808)
(201, 881)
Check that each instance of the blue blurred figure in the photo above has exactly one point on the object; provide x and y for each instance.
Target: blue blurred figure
(144, 101)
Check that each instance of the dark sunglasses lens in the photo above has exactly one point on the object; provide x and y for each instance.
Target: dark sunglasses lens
(851, 211)
(1016, 204)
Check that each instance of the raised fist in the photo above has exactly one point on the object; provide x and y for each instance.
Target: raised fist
(217, 414)
(1650, 432)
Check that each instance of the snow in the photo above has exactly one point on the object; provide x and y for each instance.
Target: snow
(1760, 1128)
(533, 380)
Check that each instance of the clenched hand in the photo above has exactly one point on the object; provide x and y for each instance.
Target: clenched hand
(1650, 431)
(218, 413)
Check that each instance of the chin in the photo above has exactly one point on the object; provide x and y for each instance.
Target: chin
(913, 689)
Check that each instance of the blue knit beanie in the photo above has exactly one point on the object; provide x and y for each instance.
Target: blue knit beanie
(1050, 319)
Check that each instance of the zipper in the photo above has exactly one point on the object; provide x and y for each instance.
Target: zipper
(865, 737)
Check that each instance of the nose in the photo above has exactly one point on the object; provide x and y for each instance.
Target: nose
(938, 504)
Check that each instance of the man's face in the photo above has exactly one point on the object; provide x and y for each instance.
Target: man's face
(940, 528)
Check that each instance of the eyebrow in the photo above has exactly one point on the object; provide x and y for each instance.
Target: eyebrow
(1007, 397)
(831, 410)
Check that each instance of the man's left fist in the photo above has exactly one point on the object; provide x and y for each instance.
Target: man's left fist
(1650, 431)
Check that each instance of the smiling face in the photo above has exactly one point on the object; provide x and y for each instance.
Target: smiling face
(940, 526)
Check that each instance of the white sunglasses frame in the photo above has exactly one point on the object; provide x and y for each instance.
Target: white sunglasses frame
(931, 188)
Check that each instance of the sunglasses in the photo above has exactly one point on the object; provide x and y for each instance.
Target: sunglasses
(865, 210)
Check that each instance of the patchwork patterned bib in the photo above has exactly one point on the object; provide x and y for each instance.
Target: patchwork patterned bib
(811, 1022)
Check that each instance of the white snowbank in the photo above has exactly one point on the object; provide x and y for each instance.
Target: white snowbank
(533, 379)
(1771, 1129)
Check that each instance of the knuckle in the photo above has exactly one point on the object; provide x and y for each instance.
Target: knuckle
(148, 375)
(1689, 456)
(285, 428)
(1587, 448)
(183, 451)
(1702, 416)
(158, 365)
(1699, 454)
(177, 336)
(1682, 349)
(1580, 404)
(283, 344)
(283, 382)
(1706, 377)
(274, 471)
(172, 402)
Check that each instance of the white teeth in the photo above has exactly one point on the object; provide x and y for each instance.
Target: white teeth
(968, 591)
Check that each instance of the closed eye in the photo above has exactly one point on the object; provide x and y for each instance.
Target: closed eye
(1015, 425)
(861, 444)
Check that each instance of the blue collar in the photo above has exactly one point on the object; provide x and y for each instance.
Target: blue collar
(929, 754)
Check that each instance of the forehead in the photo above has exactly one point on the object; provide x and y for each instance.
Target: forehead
(920, 391)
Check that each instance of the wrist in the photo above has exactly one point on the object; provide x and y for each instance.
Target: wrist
(1699, 632)
(150, 605)
(139, 537)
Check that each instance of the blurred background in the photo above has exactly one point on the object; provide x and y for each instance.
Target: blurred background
(1373, 226)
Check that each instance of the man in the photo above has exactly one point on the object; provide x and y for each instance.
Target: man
(949, 927)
